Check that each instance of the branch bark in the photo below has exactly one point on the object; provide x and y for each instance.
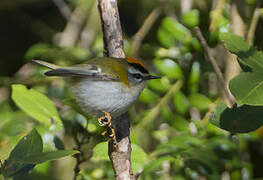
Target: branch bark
(111, 27)
(253, 24)
(216, 68)
(119, 153)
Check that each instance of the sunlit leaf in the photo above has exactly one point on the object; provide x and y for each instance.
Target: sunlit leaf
(100, 151)
(168, 67)
(147, 96)
(194, 78)
(248, 56)
(179, 32)
(138, 158)
(191, 18)
(180, 102)
(247, 88)
(160, 85)
(37, 158)
(199, 101)
(157, 163)
(165, 38)
(35, 104)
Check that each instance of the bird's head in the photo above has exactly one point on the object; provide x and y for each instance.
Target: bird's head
(137, 72)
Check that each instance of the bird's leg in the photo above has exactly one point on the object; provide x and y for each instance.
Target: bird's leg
(105, 120)
(112, 134)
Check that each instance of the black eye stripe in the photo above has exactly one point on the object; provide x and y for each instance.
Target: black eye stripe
(139, 67)
(137, 76)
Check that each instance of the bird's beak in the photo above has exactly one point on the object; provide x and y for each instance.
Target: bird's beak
(151, 77)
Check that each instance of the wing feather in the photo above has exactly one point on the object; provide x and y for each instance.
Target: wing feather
(81, 70)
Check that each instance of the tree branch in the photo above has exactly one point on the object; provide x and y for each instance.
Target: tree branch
(147, 24)
(253, 24)
(216, 68)
(186, 5)
(90, 30)
(63, 8)
(119, 153)
(111, 27)
(72, 30)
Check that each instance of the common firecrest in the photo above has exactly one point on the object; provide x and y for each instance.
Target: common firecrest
(104, 85)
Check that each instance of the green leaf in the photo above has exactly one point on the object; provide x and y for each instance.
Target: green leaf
(180, 123)
(41, 157)
(191, 18)
(28, 145)
(194, 78)
(168, 67)
(247, 88)
(199, 101)
(100, 152)
(27, 153)
(248, 56)
(160, 85)
(165, 38)
(35, 104)
(148, 96)
(238, 119)
(180, 102)
(154, 164)
(138, 158)
(179, 32)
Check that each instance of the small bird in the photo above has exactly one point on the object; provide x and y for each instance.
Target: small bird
(104, 85)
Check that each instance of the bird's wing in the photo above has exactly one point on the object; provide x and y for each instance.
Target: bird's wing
(81, 70)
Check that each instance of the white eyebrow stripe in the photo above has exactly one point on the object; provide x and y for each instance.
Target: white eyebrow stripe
(132, 70)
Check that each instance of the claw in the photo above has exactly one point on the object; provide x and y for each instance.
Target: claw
(105, 120)
(112, 135)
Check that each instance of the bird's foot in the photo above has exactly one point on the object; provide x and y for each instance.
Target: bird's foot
(105, 120)
(112, 135)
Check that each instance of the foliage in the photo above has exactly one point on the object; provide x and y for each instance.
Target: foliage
(191, 134)
(29, 152)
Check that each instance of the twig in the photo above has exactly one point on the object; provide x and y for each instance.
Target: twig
(147, 24)
(88, 34)
(80, 158)
(186, 5)
(119, 153)
(216, 68)
(63, 8)
(254, 22)
(71, 32)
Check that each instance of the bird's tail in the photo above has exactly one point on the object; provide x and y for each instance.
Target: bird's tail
(46, 64)
(65, 71)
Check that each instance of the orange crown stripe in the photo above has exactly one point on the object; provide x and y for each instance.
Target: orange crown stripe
(134, 60)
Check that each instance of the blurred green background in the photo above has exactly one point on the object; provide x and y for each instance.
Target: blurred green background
(171, 135)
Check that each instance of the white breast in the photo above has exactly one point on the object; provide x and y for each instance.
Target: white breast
(94, 97)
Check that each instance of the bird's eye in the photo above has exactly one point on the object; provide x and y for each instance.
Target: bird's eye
(137, 76)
